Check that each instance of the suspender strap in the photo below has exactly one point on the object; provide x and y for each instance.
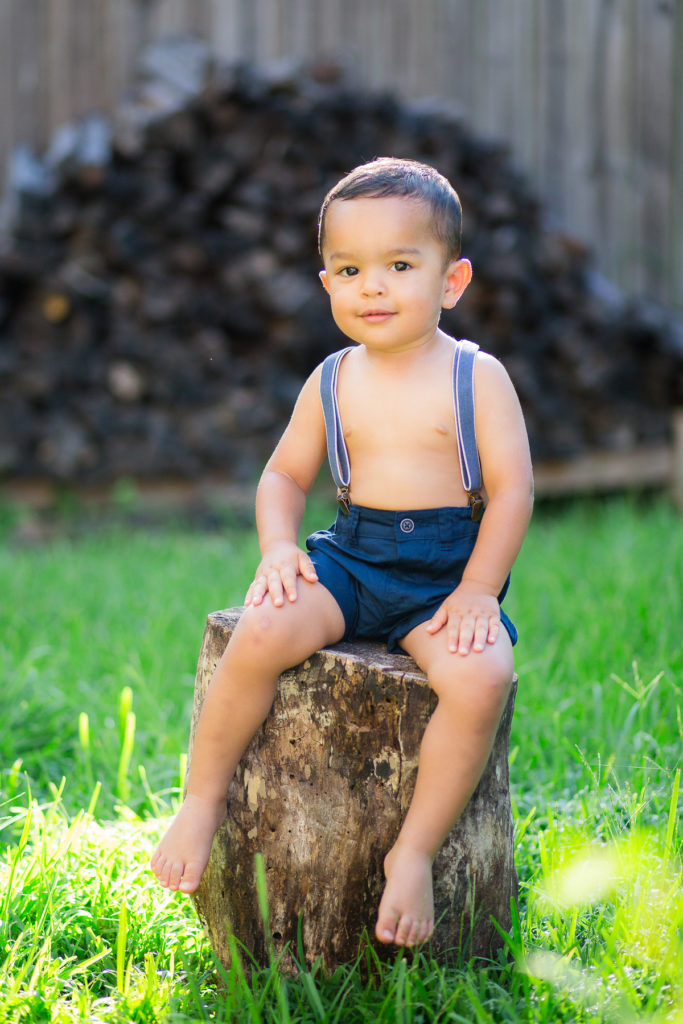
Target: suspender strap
(337, 454)
(463, 400)
(463, 397)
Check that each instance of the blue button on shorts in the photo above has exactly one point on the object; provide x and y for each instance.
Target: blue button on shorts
(389, 571)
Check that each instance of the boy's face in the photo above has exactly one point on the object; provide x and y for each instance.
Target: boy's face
(386, 273)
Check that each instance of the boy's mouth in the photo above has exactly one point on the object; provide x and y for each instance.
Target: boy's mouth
(376, 316)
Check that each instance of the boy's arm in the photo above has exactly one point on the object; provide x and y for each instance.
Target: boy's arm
(471, 614)
(281, 498)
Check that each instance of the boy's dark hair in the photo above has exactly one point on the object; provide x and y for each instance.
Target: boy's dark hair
(391, 176)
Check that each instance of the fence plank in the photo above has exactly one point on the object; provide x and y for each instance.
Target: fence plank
(225, 29)
(8, 108)
(656, 141)
(26, 58)
(676, 211)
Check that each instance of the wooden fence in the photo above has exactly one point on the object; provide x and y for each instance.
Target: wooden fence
(587, 93)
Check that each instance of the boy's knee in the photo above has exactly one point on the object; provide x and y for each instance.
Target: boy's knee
(474, 678)
(259, 626)
(496, 684)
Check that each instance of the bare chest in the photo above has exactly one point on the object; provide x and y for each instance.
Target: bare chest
(399, 418)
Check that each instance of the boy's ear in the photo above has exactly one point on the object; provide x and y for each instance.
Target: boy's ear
(458, 276)
(323, 277)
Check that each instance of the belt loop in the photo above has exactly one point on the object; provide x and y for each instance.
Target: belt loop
(355, 523)
(347, 525)
(444, 520)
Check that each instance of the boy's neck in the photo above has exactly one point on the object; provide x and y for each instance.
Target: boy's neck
(410, 354)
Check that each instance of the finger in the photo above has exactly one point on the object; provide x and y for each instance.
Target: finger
(454, 626)
(438, 620)
(257, 591)
(481, 633)
(467, 626)
(494, 630)
(275, 588)
(288, 579)
(306, 568)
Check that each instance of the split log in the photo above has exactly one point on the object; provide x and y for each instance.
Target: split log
(321, 792)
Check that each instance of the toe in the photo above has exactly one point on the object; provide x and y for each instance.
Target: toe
(424, 932)
(191, 878)
(385, 929)
(161, 868)
(175, 874)
(404, 930)
(413, 934)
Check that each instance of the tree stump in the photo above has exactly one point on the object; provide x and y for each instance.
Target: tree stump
(321, 792)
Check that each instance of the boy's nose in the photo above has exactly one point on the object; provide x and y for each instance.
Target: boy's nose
(372, 284)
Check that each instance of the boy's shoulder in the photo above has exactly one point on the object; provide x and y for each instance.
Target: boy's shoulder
(489, 367)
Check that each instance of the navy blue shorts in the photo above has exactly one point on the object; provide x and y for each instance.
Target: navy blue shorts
(390, 571)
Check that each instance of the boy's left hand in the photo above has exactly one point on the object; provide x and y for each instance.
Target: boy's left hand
(471, 618)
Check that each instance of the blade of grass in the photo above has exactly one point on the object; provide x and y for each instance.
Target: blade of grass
(673, 814)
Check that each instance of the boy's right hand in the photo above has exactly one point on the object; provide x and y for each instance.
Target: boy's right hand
(276, 575)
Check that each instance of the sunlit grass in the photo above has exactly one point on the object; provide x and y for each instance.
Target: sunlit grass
(87, 937)
(84, 933)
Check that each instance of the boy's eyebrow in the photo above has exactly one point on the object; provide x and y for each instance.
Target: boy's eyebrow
(405, 250)
(402, 250)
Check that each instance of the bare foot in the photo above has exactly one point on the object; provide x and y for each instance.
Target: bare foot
(406, 911)
(183, 853)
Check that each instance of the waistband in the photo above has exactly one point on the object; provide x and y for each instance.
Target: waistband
(403, 524)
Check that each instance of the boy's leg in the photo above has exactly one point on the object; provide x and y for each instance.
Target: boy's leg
(472, 692)
(265, 642)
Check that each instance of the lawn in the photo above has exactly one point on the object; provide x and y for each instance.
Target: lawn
(100, 628)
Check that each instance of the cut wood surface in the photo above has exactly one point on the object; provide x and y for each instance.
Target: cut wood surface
(321, 793)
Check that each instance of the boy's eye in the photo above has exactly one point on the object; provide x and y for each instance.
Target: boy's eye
(348, 271)
(401, 265)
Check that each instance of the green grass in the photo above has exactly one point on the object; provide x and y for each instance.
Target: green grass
(99, 636)
(84, 620)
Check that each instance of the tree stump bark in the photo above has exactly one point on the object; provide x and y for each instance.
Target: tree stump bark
(321, 792)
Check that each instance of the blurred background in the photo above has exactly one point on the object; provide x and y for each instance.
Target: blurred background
(163, 162)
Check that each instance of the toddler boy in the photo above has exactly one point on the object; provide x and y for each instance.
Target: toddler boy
(424, 434)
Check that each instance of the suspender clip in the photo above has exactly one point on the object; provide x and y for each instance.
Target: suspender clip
(476, 503)
(344, 499)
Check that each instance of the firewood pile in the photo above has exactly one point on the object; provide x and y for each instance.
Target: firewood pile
(159, 299)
